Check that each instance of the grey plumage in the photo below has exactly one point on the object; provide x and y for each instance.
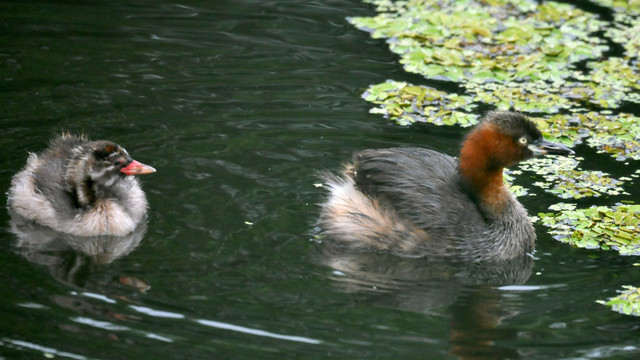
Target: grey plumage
(76, 186)
(418, 202)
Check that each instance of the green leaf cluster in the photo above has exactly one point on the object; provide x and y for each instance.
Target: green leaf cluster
(486, 41)
(621, 6)
(565, 179)
(516, 190)
(616, 227)
(627, 302)
(406, 104)
(520, 98)
(611, 82)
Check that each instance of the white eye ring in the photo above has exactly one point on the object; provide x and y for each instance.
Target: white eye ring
(523, 140)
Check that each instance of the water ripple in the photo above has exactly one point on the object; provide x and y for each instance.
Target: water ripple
(246, 330)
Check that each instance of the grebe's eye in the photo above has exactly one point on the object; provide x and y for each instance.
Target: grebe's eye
(117, 163)
(523, 140)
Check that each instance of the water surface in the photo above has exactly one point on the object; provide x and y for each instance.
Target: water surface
(238, 104)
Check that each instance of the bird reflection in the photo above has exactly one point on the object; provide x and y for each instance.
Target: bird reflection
(465, 292)
(68, 257)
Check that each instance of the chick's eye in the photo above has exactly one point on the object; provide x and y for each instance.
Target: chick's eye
(117, 163)
(523, 140)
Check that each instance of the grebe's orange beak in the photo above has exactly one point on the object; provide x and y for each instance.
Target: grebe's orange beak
(137, 168)
(544, 147)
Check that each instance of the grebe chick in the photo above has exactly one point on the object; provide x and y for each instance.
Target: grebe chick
(81, 187)
(417, 202)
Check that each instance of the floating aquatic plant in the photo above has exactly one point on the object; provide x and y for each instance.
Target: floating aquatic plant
(621, 6)
(486, 41)
(520, 97)
(406, 104)
(561, 128)
(602, 227)
(618, 135)
(618, 79)
(611, 82)
(625, 32)
(627, 302)
(516, 190)
(566, 180)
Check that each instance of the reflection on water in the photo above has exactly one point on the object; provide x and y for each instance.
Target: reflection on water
(368, 269)
(474, 327)
(68, 257)
(435, 287)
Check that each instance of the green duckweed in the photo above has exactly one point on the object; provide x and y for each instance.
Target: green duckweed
(406, 104)
(627, 302)
(563, 178)
(486, 41)
(616, 227)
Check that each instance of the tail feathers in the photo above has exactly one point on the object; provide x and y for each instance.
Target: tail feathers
(356, 221)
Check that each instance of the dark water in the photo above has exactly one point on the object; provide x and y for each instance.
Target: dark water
(238, 104)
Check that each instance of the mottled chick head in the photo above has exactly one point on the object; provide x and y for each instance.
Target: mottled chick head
(104, 163)
(109, 161)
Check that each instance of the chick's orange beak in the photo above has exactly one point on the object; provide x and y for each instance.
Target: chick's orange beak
(137, 168)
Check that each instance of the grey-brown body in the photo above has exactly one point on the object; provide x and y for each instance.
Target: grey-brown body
(412, 202)
(417, 202)
(76, 186)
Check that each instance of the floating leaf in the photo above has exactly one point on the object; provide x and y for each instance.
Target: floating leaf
(627, 302)
(602, 227)
(516, 190)
(566, 180)
(486, 41)
(407, 104)
(618, 135)
(612, 81)
(621, 6)
(520, 98)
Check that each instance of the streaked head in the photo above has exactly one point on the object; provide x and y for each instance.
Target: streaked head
(108, 161)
